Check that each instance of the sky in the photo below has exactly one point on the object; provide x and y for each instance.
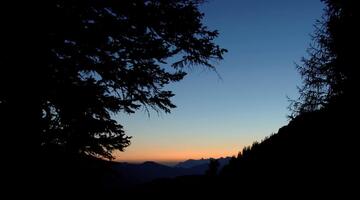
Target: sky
(218, 114)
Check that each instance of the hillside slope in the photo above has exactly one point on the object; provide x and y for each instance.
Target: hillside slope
(315, 154)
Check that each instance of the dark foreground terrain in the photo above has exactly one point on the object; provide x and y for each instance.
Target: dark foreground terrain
(315, 154)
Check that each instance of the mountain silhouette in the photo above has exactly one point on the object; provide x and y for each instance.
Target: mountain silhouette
(147, 171)
(192, 163)
(128, 175)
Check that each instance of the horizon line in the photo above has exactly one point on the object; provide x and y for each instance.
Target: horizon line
(161, 161)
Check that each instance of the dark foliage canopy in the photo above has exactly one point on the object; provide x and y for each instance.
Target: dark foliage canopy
(331, 70)
(103, 57)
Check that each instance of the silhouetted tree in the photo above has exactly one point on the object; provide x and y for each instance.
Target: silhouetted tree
(331, 69)
(108, 56)
(213, 167)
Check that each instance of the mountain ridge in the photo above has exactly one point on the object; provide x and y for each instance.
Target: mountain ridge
(193, 162)
(129, 174)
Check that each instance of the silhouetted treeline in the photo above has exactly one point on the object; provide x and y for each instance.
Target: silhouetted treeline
(330, 71)
(315, 152)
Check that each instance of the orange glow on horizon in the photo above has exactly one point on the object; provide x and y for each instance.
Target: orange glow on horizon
(159, 155)
(170, 150)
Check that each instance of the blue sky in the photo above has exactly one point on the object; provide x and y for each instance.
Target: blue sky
(219, 116)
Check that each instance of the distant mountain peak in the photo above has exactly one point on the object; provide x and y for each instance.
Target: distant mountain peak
(203, 161)
(150, 163)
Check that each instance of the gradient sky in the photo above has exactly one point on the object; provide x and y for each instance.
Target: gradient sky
(218, 117)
